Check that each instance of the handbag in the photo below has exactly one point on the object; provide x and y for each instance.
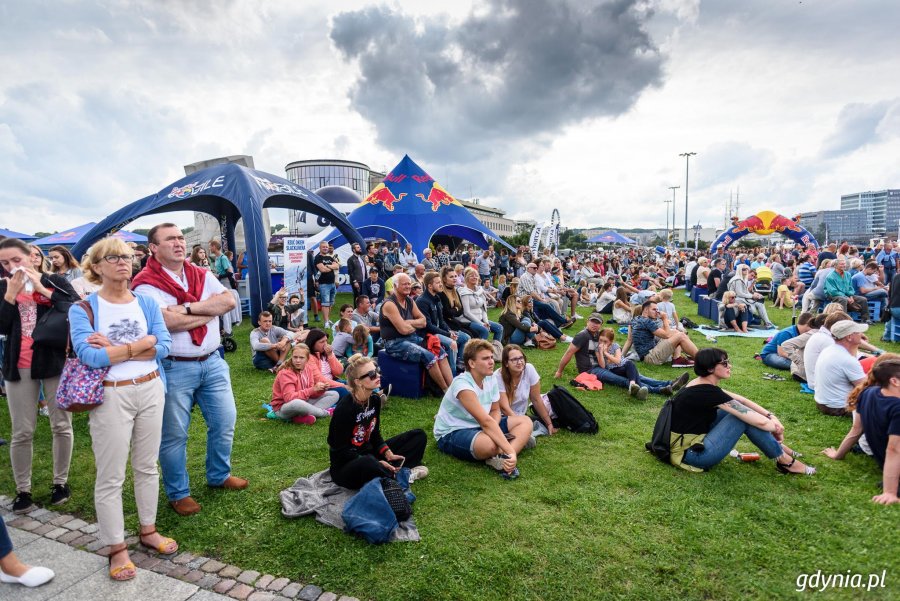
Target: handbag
(80, 386)
(52, 329)
(396, 498)
(545, 341)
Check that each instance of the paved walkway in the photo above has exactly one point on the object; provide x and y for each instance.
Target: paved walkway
(68, 546)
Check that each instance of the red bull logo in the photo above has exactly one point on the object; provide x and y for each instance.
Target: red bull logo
(196, 187)
(437, 196)
(750, 224)
(183, 191)
(423, 178)
(382, 195)
(780, 223)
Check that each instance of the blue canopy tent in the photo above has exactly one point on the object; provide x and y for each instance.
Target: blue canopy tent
(612, 237)
(410, 206)
(75, 234)
(18, 235)
(229, 192)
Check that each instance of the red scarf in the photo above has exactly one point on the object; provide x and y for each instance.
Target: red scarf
(153, 275)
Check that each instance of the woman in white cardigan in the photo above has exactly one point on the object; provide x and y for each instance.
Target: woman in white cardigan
(740, 285)
(474, 305)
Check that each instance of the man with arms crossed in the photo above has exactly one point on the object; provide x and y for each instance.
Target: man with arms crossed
(191, 299)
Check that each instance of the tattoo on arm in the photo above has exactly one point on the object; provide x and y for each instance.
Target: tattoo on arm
(738, 407)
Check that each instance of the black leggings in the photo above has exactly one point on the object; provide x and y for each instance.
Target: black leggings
(354, 474)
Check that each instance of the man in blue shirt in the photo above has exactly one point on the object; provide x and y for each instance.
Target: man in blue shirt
(887, 260)
(866, 283)
(806, 271)
(772, 354)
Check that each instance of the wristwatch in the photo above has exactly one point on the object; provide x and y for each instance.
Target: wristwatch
(187, 308)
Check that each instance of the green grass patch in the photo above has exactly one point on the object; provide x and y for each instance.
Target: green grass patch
(592, 517)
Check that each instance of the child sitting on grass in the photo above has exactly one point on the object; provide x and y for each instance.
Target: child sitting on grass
(300, 393)
(666, 306)
(343, 338)
(362, 342)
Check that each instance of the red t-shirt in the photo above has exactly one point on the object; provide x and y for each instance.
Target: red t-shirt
(28, 316)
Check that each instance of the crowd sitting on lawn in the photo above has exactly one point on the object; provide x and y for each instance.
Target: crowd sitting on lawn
(156, 333)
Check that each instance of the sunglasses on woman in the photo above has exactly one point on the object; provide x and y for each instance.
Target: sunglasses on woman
(725, 363)
(372, 375)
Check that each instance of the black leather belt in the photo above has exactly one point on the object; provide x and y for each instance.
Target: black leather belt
(200, 358)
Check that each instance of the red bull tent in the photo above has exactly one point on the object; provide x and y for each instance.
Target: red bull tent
(611, 237)
(75, 234)
(229, 192)
(408, 205)
(17, 235)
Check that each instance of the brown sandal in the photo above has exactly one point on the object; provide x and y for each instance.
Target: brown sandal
(161, 548)
(115, 573)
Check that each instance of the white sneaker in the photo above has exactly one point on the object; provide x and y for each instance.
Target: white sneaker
(35, 576)
(565, 339)
(577, 316)
(528, 344)
(495, 462)
(327, 325)
(417, 473)
(532, 442)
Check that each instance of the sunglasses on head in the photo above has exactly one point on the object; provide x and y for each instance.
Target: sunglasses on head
(372, 375)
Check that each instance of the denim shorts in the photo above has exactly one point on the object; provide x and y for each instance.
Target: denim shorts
(327, 293)
(262, 361)
(460, 443)
(407, 349)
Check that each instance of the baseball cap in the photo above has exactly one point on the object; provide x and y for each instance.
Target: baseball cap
(845, 327)
(596, 317)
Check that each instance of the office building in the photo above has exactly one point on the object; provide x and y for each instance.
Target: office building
(490, 217)
(851, 225)
(882, 209)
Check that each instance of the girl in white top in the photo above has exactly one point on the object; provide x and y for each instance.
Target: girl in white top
(519, 385)
(622, 309)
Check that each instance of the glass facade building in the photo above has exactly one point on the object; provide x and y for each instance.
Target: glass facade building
(318, 174)
(882, 208)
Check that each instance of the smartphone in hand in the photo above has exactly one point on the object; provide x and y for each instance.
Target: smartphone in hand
(398, 463)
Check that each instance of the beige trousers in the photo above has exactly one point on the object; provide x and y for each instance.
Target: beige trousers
(129, 418)
(22, 398)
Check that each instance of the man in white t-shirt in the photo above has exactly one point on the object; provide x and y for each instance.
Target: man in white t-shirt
(817, 343)
(191, 303)
(838, 370)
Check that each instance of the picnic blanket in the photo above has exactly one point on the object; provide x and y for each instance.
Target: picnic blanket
(319, 495)
(716, 332)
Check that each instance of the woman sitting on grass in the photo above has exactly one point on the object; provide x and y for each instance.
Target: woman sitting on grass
(876, 411)
(362, 342)
(733, 314)
(516, 374)
(343, 339)
(469, 426)
(322, 357)
(622, 309)
(516, 329)
(358, 451)
(707, 421)
(300, 392)
(619, 371)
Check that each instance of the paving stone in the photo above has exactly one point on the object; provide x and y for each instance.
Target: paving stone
(62, 519)
(183, 558)
(27, 524)
(280, 598)
(212, 566)
(71, 567)
(261, 596)
(132, 540)
(9, 517)
(95, 546)
(178, 571)
(248, 577)
(208, 581)
(193, 576)
(346, 598)
(277, 584)
(230, 572)
(102, 551)
(198, 561)
(138, 558)
(264, 581)
(327, 597)
(291, 590)
(69, 536)
(44, 529)
(75, 524)
(310, 592)
(224, 586)
(55, 533)
(241, 592)
(82, 541)
(146, 587)
(90, 529)
(44, 517)
(40, 511)
(163, 567)
(150, 563)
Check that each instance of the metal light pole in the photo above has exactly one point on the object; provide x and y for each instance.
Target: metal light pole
(687, 161)
(667, 201)
(673, 188)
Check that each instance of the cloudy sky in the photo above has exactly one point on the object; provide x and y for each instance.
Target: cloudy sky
(529, 105)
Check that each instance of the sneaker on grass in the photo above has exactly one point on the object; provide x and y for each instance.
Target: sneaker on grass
(417, 473)
(496, 462)
(682, 362)
(680, 382)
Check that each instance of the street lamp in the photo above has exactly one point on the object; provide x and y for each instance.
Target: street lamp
(687, 160)
(673, 188)
(667, 201)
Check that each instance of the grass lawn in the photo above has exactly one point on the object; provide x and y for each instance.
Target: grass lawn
(591, 517)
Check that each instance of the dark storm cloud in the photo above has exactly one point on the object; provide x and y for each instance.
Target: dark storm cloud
(511, 71)
(857, 125)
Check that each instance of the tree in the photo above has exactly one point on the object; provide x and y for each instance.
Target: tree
(572, 239)
(744, 243)
(518, 239)
(276, 227)
(44, 234)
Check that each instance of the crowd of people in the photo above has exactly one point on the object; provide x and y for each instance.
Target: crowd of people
(150, 321)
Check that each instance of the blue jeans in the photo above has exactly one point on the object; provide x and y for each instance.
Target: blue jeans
(546, 311)
(207, 384)
(723, 435)
(6, 545)
(777, 361)
(550, 327)
(483, 333)
(519, 337)
(446, 344)
(623, 376)
(262, 361)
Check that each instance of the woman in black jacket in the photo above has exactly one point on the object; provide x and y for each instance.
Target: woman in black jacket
(451, 305)
(26, 297)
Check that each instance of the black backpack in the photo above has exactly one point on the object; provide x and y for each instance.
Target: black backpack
(659, 444)
(570, 414)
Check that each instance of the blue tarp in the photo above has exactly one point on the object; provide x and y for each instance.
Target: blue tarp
(229, 192)
(17, 235)
(74, 235)
(612, 237)
(410, 206)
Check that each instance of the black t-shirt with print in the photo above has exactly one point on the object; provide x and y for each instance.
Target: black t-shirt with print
(325, 277)
(694, 408)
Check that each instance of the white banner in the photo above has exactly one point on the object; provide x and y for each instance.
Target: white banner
(295, 268)
(535, 242)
